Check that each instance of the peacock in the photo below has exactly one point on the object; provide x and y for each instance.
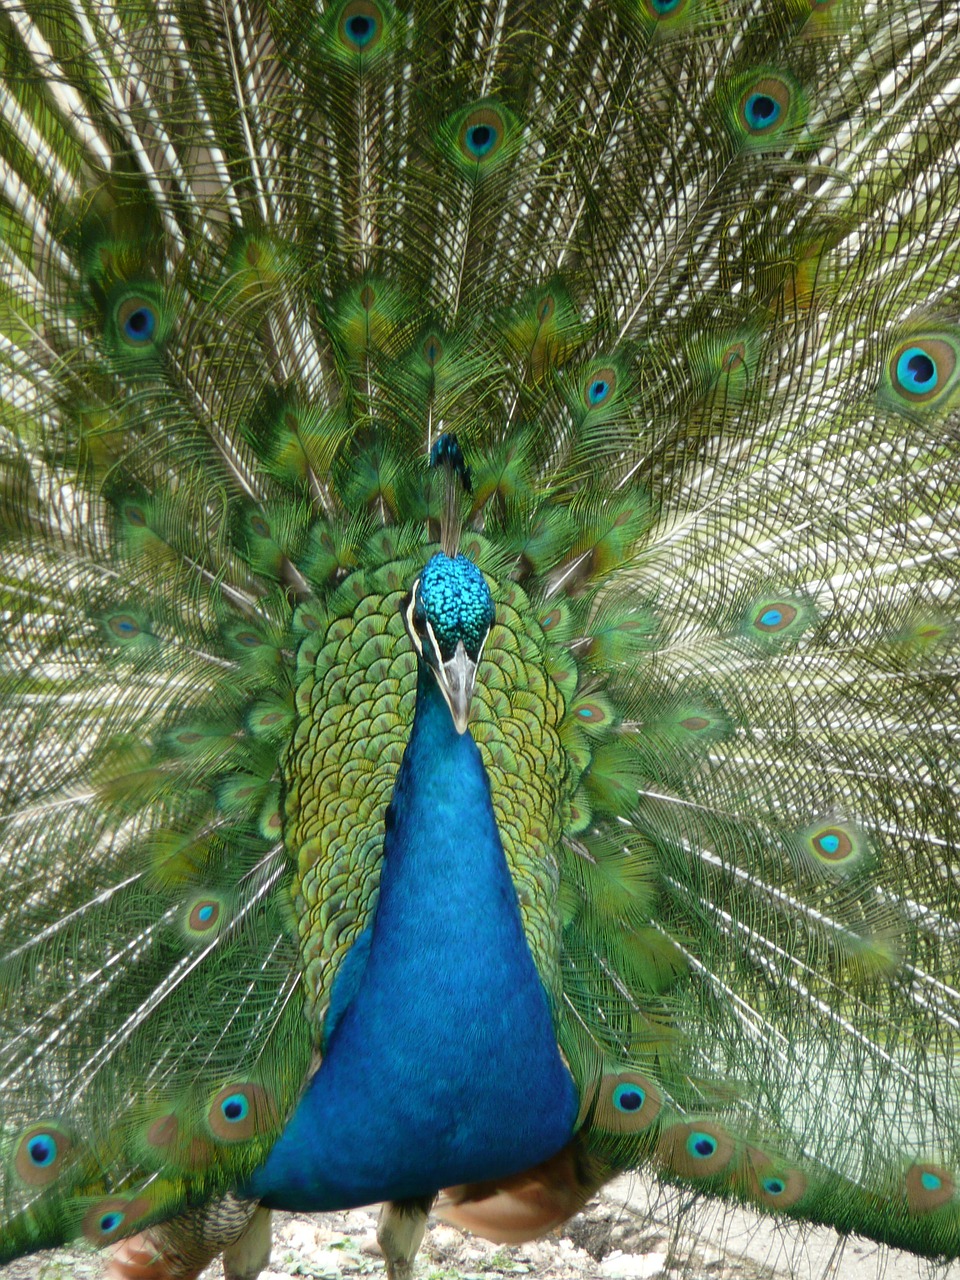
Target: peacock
(480, 525)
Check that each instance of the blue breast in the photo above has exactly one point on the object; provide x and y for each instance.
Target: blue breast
(442, 1066)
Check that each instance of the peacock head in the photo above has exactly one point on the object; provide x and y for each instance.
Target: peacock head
(449, 617)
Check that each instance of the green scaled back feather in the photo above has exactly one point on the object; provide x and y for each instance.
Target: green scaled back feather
(683, 279)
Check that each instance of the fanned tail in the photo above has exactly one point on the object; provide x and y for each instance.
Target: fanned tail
(682, 278)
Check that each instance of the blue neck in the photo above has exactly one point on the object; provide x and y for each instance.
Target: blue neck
(441, 1066)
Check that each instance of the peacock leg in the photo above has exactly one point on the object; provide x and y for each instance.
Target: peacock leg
(181, 1248)
(399, 1233)
(249, 1255)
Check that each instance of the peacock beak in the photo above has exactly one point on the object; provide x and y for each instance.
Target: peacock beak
(456, 678)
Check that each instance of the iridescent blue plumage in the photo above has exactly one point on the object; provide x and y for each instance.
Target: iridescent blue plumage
(454, 599)
(442, 1066)
(449, 618)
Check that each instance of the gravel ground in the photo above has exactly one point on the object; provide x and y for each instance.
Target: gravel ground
(627, 1233)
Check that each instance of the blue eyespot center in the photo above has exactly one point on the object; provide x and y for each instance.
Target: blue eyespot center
(916, 371)
(360, 29)
(702, 1145)
(361, 26)
(480, 139)
(930, 1182)
(761, 111)
(774, 616)
(481, 133)
(110, 1221)
(774, 1186)
(235, 1108)
(628, 1097)
(598, 391)
(140, 324)
(832, 844)
(42, 1150)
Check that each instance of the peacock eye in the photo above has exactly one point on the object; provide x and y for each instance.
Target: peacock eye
(418, 616)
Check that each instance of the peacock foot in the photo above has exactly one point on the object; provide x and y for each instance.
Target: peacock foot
(139, 1258)
(181, 1248)
(399, 1234)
